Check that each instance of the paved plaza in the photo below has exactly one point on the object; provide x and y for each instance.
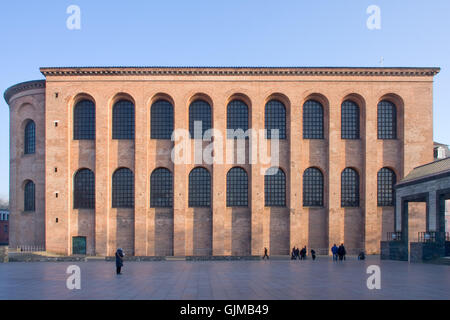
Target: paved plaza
(275, 279)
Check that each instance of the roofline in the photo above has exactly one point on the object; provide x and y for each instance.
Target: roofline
(23, 86)
(437, 175)
(240, 70)
(430, 163)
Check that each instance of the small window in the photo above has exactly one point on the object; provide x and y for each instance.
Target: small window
(161, 189)
(123, 188)
(84, 121)
(199, 111)
(162, 120)
(312, 188)
(123, 120)
(349, 120)
(199, 188)
(29, 196)
(275, 188)
(237, 188)
(349, 188)
(312, 120)
(387, 120)
(30, 138)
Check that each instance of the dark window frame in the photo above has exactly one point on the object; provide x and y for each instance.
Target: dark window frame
(313, 120)
(350, 120)
(387, 120)
(161, 188)
(30, 138)
(313, 187)
(275, 189)
(200, 110)
(350, 185)
(84, 189)
(275, 118)
(237, 187)
(162, 120)
(199, 188)
(29, 198)
(123, 127)
(84, 120)
(386, 180)
(123, 188)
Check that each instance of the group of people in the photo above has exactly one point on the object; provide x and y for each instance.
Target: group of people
(338, 252)
(301, 254)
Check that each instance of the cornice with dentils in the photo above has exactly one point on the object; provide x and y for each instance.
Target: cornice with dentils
(240, 71)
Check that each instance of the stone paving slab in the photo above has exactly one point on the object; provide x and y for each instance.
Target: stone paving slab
(225, 280)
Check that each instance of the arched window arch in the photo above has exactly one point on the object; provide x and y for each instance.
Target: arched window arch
(162, 120)
(312, 188)
(237, 116)
(387, 120)
(199, 188)
(29, 196)
(275, 188)
(161, 188)
(84, 120)
(84, 189)
(123, 120)
(349, 120)
(275, 118)
(386, 182)
(200, 111)
(123, 188)
(237, 188)
(349, 188)
(30, 138)
(312, 120)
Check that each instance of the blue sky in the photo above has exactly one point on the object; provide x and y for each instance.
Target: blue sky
(222, 33)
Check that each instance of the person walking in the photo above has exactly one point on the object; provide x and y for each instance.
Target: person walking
(313, 254)
(344, 252)
(303, 253)
(341, 252)
(362, 256)
(119, 260)
(297, 253)
(334, 251)
(293, 254)
(265, 254)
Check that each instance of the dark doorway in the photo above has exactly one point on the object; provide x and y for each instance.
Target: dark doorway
(79, 245)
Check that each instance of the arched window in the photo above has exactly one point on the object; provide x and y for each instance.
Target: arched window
(275, 119)
(162, 120)
(387, 120)
(386, 182)
(161, 188)
(237, 116)
(349, 188)
(349, 120)
(29, 196)
(123, 188)
(237, 188)
(275, 188)
(312, 188)
(123, 120)
(312, 120)
(84, 190)
(199, 111)
(30, 138)
(84, 120)
(199, 188)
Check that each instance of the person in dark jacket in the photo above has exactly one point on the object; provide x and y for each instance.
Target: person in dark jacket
(293, 254)
(297, 253)
(341, 252)
(313, 254)
(303, 253)
(362, 256)
(334, 251)
(119, 260)
(266, 254)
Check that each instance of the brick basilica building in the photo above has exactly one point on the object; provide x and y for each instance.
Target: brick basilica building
(91, 167)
